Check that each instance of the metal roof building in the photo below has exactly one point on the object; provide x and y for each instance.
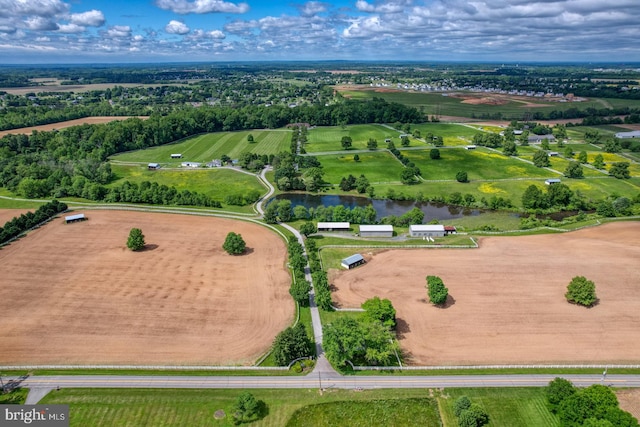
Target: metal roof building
(74, 218)
(426, 230)
(627, 135)
(376, 230)
(333, 226)
(352, 261)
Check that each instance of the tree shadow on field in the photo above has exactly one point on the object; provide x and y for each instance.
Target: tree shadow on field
(448, 303)
(402, 327)
(149, 247)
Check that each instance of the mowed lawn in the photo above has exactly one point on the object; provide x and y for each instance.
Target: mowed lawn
(513, 407)
(207, 147)
(328, 138)
(376, 166)
(215, 182)
(187, 407)
(479, 164)
(452, 134)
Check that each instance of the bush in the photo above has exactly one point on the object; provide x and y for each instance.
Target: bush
(234, 244)
(581, 291)
(462, 176)
(135, 242)
(438, 293)
(462, 403)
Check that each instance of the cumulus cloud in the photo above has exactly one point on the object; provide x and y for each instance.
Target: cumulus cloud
(396, 6)
(92, 18)
(71, 28)
(183, 7)
(119, 31)
(201, 34)
(42, 8)
(313, 8)
(176, 27)
(39, 23)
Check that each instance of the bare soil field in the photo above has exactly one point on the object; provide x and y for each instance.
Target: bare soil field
(9, 214)
(630, 401)
(66, 124)
(507, 301)
(74, 294)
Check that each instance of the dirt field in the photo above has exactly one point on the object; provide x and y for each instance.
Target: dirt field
(9, 214)
(507, 300)
(67, 124)
(75, 294)
(630, 401)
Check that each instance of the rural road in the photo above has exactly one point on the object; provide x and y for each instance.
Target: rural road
(315, 380)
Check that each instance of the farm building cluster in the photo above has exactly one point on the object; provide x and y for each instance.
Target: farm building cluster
(386, 230)
(215, 163)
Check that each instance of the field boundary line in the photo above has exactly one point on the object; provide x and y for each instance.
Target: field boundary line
(146, 367)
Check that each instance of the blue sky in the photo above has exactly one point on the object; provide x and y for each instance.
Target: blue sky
(109, 31)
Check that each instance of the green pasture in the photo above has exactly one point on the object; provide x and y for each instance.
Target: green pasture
(389, 412)
(452, 134)
(328, 138)
(206, 147)
(215, 182)
(514, 407)
(9, 203)
(479, 164)
(378, 166)
(189, 407)
(499, 220)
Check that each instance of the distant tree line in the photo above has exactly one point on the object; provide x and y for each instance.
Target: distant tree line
(24, 222)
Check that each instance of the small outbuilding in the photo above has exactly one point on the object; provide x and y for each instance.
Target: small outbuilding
(176, 156)
(553, 154)
(552, 181)
(334, 226)
(353, 261)
(376, 230)
(74, 218)
(539, 138)
(627, 135)
(153, 166)
(191, 164)
(450, 229)
(426, 230)
(470, 147)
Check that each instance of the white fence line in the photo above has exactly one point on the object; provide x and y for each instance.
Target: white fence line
(145, 367)
(465, 367)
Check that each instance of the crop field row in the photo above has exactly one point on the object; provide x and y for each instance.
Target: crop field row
(517, 407)
(207, 147)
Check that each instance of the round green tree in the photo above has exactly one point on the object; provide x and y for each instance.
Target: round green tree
(135, 242)
(581, 291)
(234, 244)
(462, 176)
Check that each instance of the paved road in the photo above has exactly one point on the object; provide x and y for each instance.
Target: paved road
(319, 380)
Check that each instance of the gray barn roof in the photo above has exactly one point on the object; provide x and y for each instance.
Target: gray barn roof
(352, 259)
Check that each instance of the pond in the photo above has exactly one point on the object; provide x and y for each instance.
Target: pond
(384, 208)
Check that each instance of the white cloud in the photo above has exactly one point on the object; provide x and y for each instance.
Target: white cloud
(92, 18)
(183, 7)
(39, 23)
(71, 28)
(43, 8)
(397, 6)
(119, 31)
(313, 8)
(176, 27)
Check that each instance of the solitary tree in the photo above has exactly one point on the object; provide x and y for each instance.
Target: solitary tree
(462, 176)
(234, 244)
(438, 293)
(250, 138)
(135, 242)
(541, 159)
(574, 170)
(356, 158)
(346, 142)
(598, 162)
(372, 144)
(247, 408)
(509, 148)
(620, 170)
(581, 291)
(582, 157)
(308, 228)
(434, 154)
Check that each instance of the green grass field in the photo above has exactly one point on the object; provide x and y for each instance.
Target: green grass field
(479, 164)
(204, 148)
(390, 412)
(452, 134)
(215, 182)
(328, 138)
(168, 407)
(514, 407)
(376, 166)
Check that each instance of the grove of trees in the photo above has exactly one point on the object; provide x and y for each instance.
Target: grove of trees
(25, 221)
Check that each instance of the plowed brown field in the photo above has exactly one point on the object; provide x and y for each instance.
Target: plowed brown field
(507, 301)
(74, 294)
